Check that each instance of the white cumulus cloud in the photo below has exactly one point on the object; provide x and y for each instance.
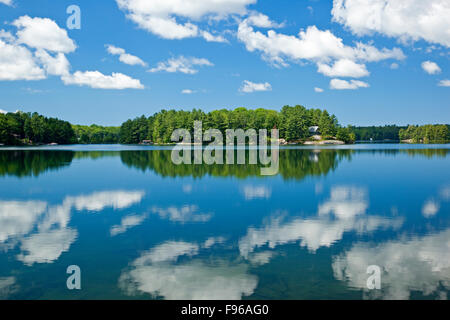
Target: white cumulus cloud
(209, 37)
(311, 44)
(178, 19)
(444, 83)
(182, 64)
(18, 63)
(7, 36)
(39, 48)
(57, 65)
(339, 84)
(97, 80)
(394, 66)
(262, 21)
(343, 68)
(431, 67)
(43, 33)
(403, 19)
(249, 87)
(125, 57)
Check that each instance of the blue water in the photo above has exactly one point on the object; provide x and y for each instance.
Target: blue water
(140, 227)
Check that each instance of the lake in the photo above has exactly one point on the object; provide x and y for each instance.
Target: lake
(140, 227)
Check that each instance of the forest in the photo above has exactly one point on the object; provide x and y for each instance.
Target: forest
(95, 134)
(292, 122)
(426, 134)
(389, 132)
(416, 134)
(21, 128)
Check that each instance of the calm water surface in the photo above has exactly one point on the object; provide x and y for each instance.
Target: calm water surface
(140, 227)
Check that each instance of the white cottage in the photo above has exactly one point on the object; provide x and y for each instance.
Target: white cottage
(314, 130)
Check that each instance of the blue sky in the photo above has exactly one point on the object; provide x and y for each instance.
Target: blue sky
(367, 63)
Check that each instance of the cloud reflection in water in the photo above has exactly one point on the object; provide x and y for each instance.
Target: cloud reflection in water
(420, 264)
(343, 212)
(42, 229)
(161, 272)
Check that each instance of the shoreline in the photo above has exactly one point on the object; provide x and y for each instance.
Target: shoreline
(311, 144)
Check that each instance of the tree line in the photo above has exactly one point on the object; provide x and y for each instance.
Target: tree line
(426, 134)
(95, 134)
(380, 133)
(31, 128)
(21, 128)
(416, 134)
(293, 123)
